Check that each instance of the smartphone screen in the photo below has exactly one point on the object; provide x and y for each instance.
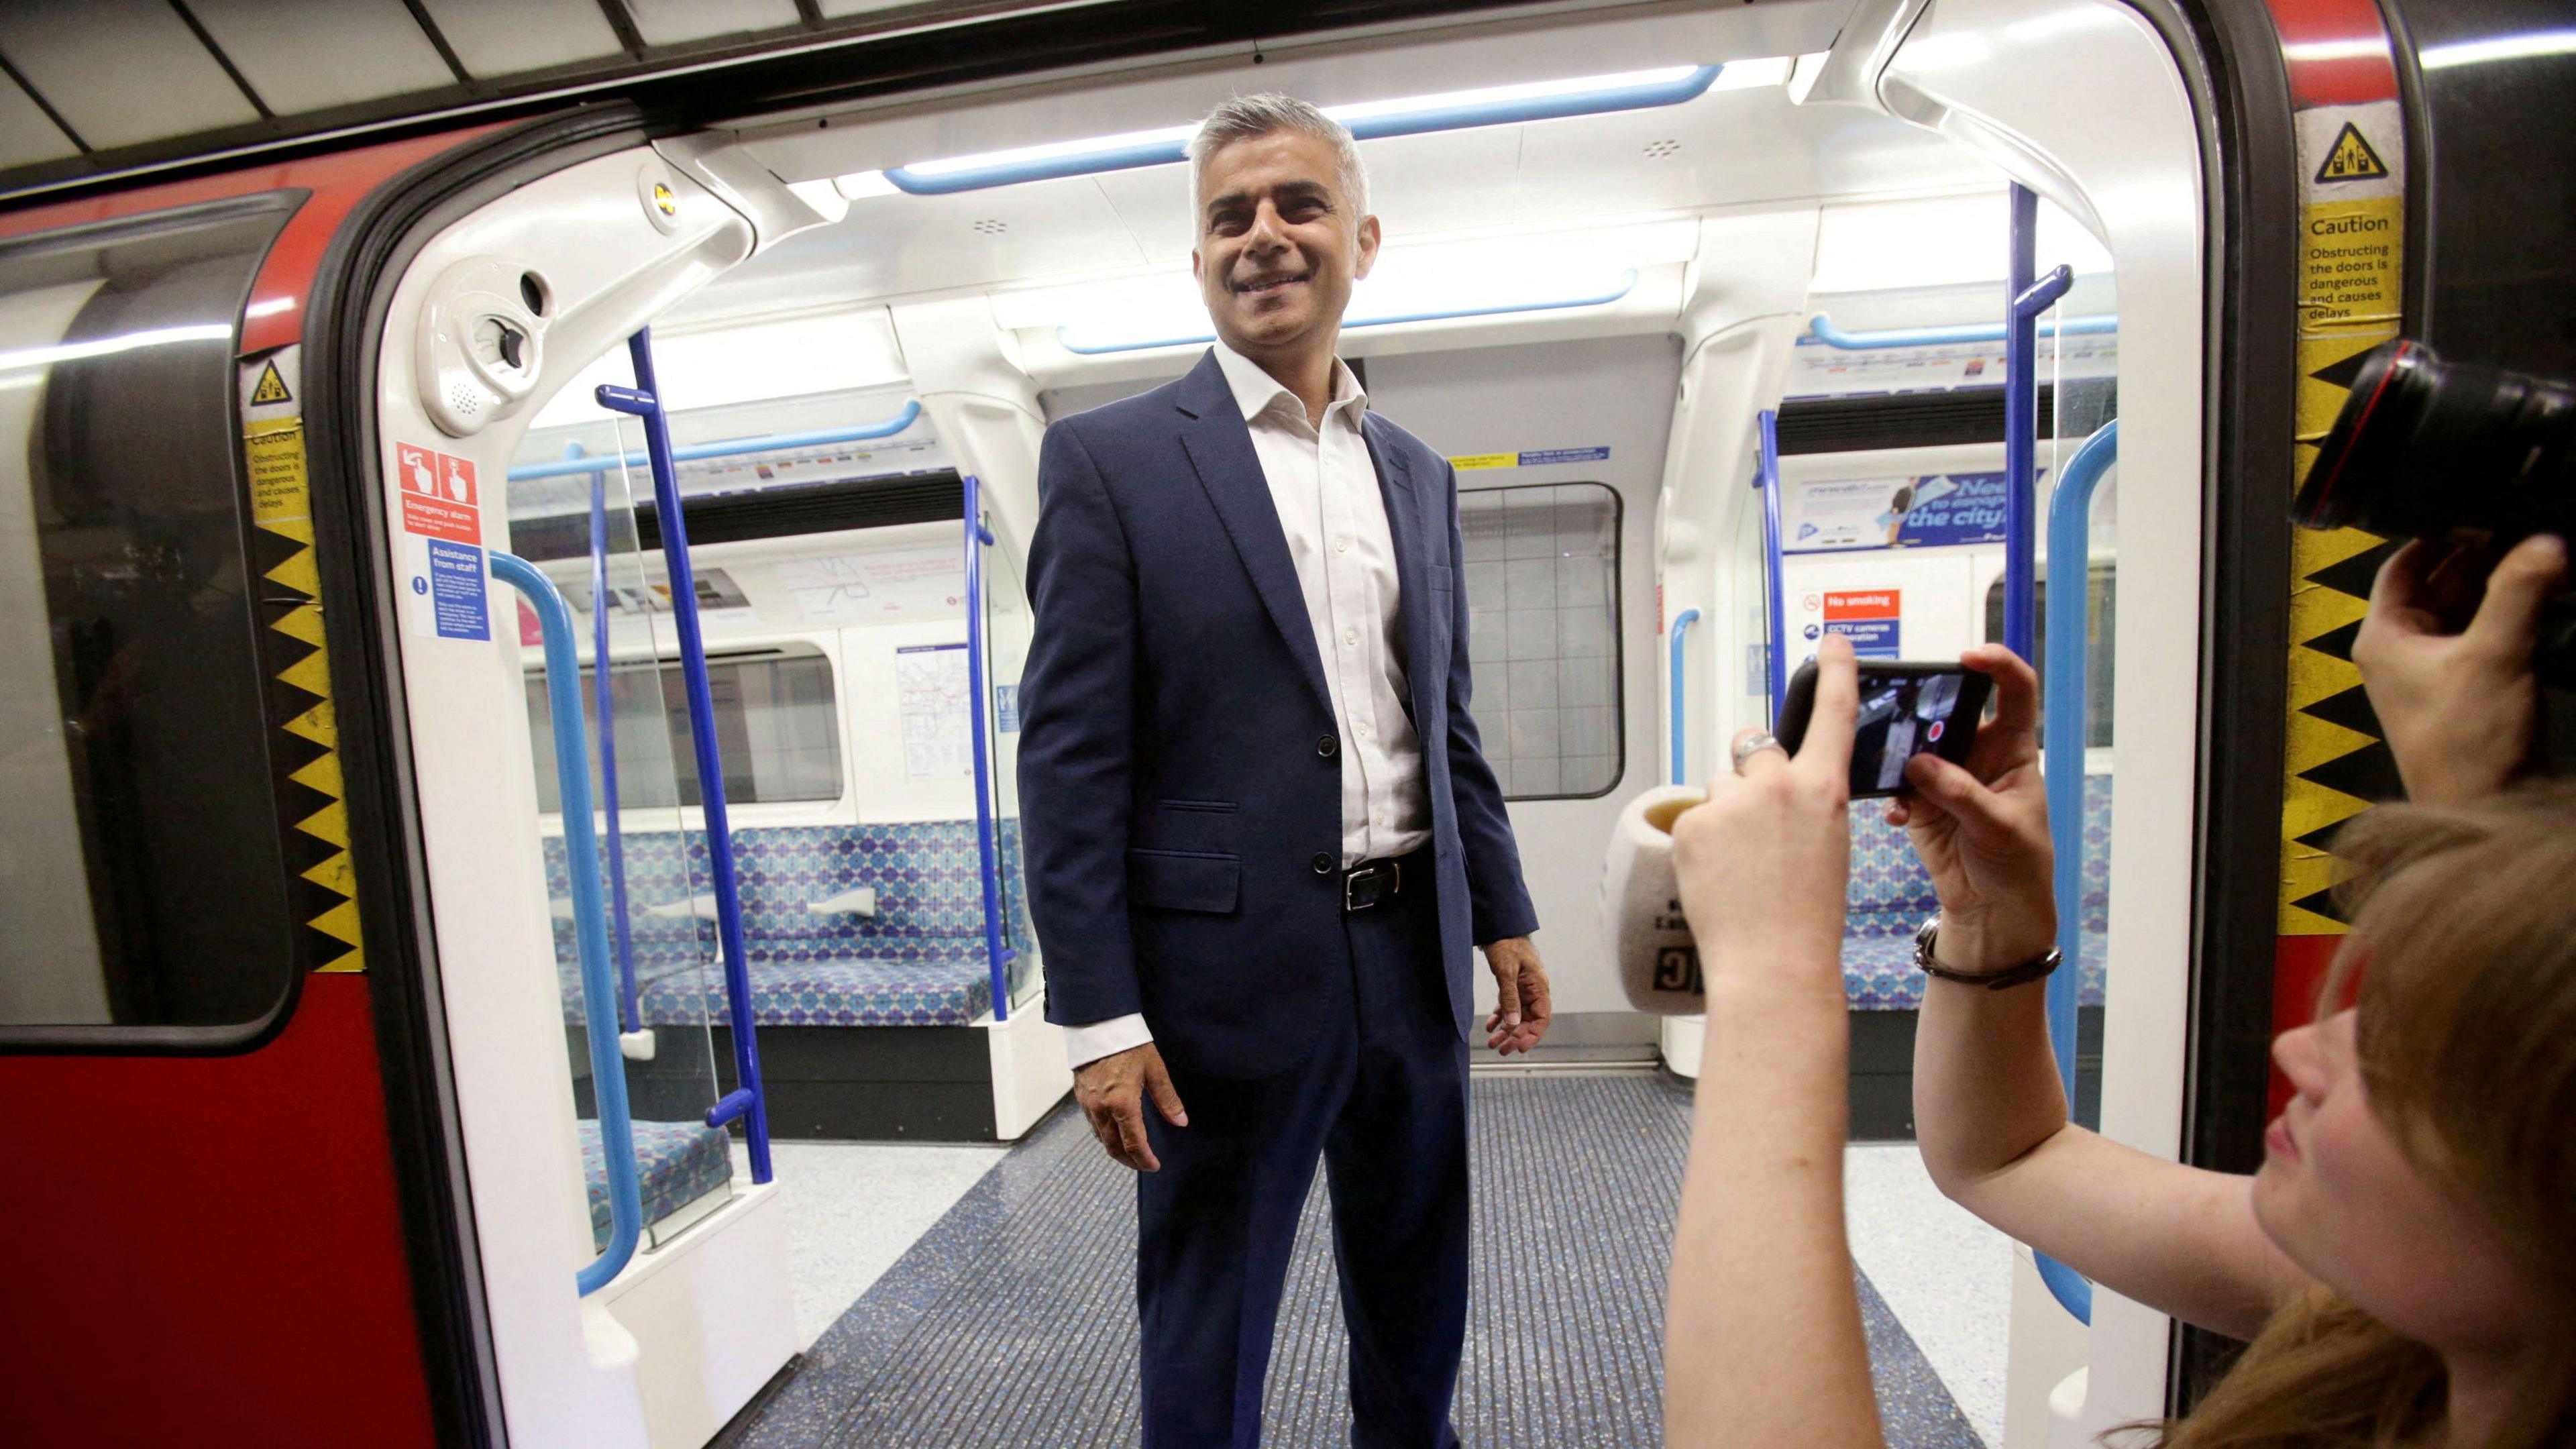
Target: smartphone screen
(1905, 710)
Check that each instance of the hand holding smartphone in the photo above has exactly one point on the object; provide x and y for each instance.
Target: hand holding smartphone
(1906, 709)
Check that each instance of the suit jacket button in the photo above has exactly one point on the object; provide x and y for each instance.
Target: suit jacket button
(1324, 862)
(1327, 746)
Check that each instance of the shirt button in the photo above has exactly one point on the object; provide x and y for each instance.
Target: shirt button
(1327, 746)
(1324, 862)
(1341, 545)
(1361, 730)
(1351, 637)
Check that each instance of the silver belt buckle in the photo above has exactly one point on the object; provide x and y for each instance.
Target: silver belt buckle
(1383, 879)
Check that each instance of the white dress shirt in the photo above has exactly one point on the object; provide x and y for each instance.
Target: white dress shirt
(1325, 486)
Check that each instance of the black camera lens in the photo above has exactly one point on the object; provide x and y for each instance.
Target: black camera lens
(2430, 449)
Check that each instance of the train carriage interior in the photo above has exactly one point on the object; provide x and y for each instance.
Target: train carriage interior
(706, 476)
(1613, 247)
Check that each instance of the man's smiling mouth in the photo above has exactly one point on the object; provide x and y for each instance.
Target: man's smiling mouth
(1269, 284)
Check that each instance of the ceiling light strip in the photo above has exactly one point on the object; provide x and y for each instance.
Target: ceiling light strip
(1451, 111)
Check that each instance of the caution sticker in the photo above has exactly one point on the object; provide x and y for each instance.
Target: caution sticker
(314, 821)
(2348, 255)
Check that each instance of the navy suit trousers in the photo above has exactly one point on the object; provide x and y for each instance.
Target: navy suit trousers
(1383, 1101)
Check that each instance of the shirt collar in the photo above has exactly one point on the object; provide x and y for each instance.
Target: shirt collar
(1256, 391)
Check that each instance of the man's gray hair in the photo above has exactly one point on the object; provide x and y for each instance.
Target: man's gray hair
(1242, 118)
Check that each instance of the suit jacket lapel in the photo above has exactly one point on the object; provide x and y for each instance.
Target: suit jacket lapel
(1219, 445)
(1404, 523)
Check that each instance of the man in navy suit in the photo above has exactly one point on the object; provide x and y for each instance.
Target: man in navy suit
(1261, 833)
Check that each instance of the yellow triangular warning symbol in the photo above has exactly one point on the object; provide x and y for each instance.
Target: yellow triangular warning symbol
(272, 388)
(2349, 159)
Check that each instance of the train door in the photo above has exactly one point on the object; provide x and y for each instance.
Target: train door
(636, 1282)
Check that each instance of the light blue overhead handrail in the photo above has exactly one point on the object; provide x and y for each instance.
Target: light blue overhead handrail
(1766, 476)
(729, 447)
(1823, 330)
(629, 1017)
(1169, 147)
(988, 856)
(2070, 510)
(2027, 297)
(590, 928)
(1681, 626)
(747, 1100)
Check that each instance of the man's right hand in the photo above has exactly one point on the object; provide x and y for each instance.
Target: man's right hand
(1112, 1093)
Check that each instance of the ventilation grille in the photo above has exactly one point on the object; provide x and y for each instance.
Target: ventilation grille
(465, 398)
(1658, 150)
(1901, 420)
(992, 226)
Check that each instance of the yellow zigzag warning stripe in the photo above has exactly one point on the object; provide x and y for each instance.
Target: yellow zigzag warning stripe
(273, 449)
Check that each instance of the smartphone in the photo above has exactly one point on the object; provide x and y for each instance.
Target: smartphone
(1905, 710)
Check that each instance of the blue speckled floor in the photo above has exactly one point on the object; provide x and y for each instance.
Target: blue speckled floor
(1012, 1322)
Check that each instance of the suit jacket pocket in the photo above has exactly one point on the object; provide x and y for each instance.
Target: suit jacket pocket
(1184, 880)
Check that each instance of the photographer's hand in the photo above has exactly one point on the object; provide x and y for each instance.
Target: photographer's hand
(1982, 829)
(2445, 653)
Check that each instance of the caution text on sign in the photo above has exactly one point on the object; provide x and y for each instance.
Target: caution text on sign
(2348, 262)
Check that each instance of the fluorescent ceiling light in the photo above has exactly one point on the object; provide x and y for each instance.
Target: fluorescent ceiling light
(1372, 120)
(1751, 75)
(860, 185)
(2502, 47)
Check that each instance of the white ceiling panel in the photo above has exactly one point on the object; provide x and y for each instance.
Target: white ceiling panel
(840, 9)
(120, 71)
(505, 37)
(673, 22)
(27, 134)
(307, 57)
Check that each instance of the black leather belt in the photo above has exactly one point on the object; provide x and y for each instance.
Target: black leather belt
(1373, 882)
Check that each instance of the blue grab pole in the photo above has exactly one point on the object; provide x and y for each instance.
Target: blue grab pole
(1775, 665)
(747, 1102)
(2025, 299)
(604, 705)
(1681, 626)
(989, 871)
(590, 929)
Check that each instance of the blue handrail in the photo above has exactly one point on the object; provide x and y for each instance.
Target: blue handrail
(590, 928)
(747, 1100)
(1766, 476)
(1170, 147)
(1823, 330)
(629, 1016)
(729, 447)
(1681, 626)
(988, 856)
(2026, 298)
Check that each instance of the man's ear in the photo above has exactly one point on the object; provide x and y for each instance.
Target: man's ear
(1368, 248)
(1198, 268)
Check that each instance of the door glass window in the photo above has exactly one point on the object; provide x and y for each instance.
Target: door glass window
(777, 730)
(148, 870)
(1542, 567)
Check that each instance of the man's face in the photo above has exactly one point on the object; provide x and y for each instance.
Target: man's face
(1278, 245)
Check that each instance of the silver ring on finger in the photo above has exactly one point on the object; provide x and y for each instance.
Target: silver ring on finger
(1754, 744)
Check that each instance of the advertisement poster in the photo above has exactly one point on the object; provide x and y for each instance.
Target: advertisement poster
(1929, 511)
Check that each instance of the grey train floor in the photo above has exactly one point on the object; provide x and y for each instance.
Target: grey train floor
(1012, 1322)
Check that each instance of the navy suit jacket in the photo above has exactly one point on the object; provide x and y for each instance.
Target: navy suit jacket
(1180, 771)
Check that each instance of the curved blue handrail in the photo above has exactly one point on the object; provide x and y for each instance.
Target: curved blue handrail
(748, 1100)
(2026, 296)
(1172, 147)
(988, 878)
(1681, 626)
(2070, 510)
(1822, 329)
(728, 447)
(1766, 476)
(590, 925)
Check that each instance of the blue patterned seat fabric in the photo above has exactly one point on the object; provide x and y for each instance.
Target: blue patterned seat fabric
(920, 961)
(678, 1162)
(1890, 895)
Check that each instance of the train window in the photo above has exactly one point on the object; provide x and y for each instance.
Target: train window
(2102, 616)
(1542, 566)
(148, 861)
(777, 726)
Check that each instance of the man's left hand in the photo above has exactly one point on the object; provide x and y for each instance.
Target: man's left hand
(1521, 1017)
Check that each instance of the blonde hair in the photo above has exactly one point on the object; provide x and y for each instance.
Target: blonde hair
(2462, 965)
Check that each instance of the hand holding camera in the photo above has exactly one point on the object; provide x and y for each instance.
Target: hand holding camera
(1981, 826)
(2446, 655)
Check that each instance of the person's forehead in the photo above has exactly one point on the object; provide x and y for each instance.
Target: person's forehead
(1271, 161)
